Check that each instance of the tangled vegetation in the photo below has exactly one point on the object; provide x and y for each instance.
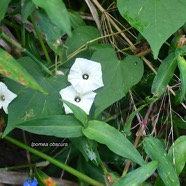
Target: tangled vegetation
(93, 92)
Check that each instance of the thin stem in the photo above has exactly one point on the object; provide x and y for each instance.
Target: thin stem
(84, 47)
(17, 45)
(113, 23)
(23, 34)
(56, 57)
(138, 136)
(54, 161)
(40, 164)
(40, 40)
(11, 41)
(38, 62)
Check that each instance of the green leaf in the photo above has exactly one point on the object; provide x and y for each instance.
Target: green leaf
(177, 153)
(182, 68)
(128, 123)
(31, 104)
(155, 150)
(138, 176)
(4, 6)
(78, 112)
(43, 179)
(81, 36)
(27, 8)
(179, 122)
(88, 148)
(164, 75)
(57, 12)
(10, 68)
(63, 126)
(118, 77)
(154, 19)
(113, 139)
(75, 19)
(51, 32)
(158, 182)
(90, 169)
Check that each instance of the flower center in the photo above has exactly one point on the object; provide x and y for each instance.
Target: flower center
(2, 98)
(77, 99)
(85, 76)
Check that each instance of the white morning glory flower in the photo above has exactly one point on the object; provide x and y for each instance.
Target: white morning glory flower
(85, 75)
(84, 101)
(6, 96)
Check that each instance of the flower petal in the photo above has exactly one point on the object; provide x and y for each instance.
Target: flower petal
(6, 97)
(85, 100)
(30, 182)
(85, 67)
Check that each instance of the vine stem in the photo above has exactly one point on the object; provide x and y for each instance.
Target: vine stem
(113, 23)
(138, 136)
(147, 62)
(54, 161)
(18, 46)
(40, 40)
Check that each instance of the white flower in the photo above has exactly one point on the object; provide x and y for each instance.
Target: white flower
(85, 75)
(6, 96)
(84, 101)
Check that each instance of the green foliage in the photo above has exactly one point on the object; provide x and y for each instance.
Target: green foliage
(177, 153)
(25, 108)
(10, 68)
(164, 75)
(154, 19)
(182, 68)
(117, 77)
(155, 150)
(51, 32)
(44, 179)
(127, 127)
(57, 125)
(78, 112)
(141, 48)
(88, 148)
(57, 12)
(113, 139)
(27, 8)
(138, 176)
(80, 36)
(4, 6)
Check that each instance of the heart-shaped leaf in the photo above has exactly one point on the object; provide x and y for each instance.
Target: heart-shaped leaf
(156, 20)
(118, 77)
(80, 36)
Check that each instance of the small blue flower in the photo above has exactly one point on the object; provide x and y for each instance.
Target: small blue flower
(30, 182)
